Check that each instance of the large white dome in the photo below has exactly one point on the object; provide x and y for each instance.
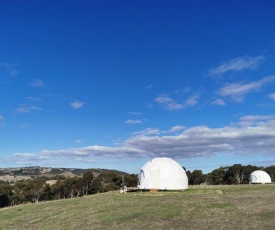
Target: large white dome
(260, 176)
(162, 174)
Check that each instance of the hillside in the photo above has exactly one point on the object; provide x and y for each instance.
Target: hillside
(200, 207)
(24, 173)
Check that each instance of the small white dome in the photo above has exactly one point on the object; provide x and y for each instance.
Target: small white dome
(259, 176)
(163, 174)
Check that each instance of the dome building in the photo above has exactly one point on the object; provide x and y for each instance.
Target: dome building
(259, 177)
(162, 173)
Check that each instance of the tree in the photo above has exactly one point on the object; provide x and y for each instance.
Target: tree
(197, 177)
(131, 180)
(18, 195)
(28, 191)
(5, 194)
(70, 188)
(216, 176)
(58, 189)
(234, 174)
(237, 171)
(271, 171)
(87, 182)
(107, 181)
(47, 193)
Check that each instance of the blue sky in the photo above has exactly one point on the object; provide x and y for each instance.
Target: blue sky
(112, 84)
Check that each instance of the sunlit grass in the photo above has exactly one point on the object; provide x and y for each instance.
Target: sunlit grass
(200, 207)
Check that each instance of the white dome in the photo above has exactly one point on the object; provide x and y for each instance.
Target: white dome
(163, 174)
(260, 176)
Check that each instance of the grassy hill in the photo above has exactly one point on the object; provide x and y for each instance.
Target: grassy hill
(200, 207)
(25, 173)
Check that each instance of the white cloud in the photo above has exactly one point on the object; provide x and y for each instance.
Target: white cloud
(77, 104)
(31, 159)
(23, 108)
(237, 91)
(168, 103)
(237, 64)
(272, 96)
(218, 102)
(255, 138)
(172, 105)
(176, 129)
(90, 153)
(148, 131)
(156, 131)
(191, 101)
(133, 122)
(135, 113)
(163, 99)
(38, 83)
(205, 142)
(254, 120)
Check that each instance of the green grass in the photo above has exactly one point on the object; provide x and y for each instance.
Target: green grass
(200, 207)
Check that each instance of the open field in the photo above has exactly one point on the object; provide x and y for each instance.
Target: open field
(200, 207)
(9, 178)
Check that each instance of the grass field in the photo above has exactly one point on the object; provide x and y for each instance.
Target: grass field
(201, 207)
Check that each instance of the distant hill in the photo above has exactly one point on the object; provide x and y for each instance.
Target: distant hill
(32, 172)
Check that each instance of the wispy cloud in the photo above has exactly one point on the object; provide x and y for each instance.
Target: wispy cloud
(168, 103)
(9, 69)
(237, 91)
(148, 131)
(34, 99)
(257, 137)
(172, 105)
(185, 90)
(133, 122)
(237, 64)
(149, 86)
(191, 101)
(2, 120)
(79, 141)
(257, 118)
(135, 113)
(156, 131)
(23, 108)
(272, 96)
(25, 125)
(77, 104)
(38, 83)
(218, 102)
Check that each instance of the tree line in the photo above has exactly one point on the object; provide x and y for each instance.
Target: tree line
(36, 190)
(235, 174)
